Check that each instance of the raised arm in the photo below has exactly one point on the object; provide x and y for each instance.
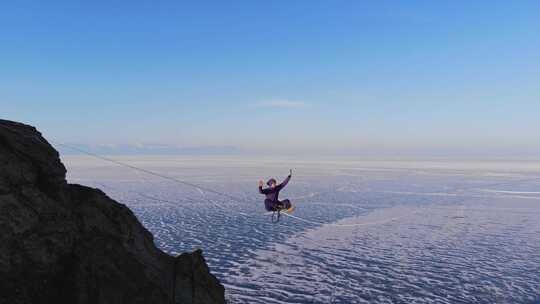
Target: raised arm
(286, 181)
(261, 190)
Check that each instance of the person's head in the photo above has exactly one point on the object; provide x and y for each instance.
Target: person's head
(271, 183)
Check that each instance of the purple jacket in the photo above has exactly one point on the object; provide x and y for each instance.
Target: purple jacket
(272, 194)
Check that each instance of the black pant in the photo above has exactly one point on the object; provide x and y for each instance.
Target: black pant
(277, 205)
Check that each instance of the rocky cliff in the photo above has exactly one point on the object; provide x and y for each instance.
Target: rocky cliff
(65, 243)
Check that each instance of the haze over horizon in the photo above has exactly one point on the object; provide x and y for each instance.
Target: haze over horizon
(453, 79)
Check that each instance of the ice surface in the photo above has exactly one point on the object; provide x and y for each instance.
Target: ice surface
(425, 232)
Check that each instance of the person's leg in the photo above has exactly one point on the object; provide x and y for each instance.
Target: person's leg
(269, 205)
(286, 204)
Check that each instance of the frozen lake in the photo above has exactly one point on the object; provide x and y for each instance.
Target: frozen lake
(367, 231)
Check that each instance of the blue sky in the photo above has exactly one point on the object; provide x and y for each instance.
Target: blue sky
(448, 77)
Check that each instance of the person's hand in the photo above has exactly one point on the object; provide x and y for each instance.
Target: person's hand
(261, 183)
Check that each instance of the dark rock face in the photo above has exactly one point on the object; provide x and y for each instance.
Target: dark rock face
(64, 243)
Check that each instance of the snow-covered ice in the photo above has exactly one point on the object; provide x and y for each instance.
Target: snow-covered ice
(375, 231)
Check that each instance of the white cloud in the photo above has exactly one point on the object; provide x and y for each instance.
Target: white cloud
(281, 103)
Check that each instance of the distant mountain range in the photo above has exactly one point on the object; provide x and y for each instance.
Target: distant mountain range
(149, 149)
